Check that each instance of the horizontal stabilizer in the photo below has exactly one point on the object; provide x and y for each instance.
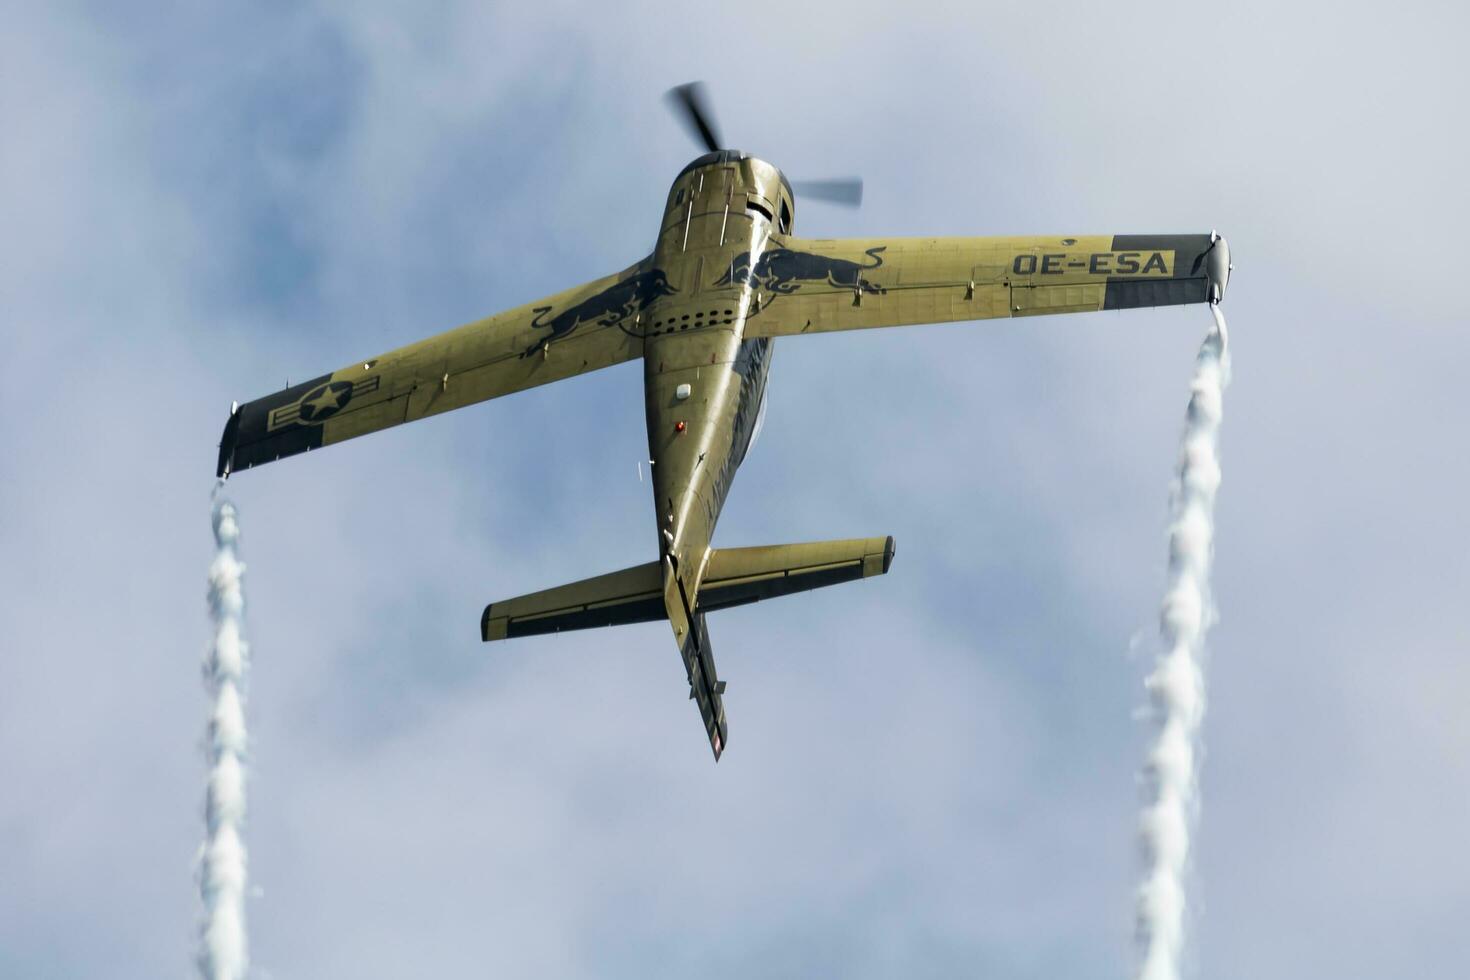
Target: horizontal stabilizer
(736, 576)
(633, 595)
(732, 577)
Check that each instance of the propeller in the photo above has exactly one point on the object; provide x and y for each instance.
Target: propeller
(691, 104)
(846, 191)
(689, 99)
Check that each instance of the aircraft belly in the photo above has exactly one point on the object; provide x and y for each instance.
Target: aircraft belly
(692, 439)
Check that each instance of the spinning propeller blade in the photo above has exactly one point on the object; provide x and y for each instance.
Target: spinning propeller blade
(691, 104)
(690, 99)
(846, 191)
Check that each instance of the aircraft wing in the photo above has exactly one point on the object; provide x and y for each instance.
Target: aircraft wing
(815, 285)
(582, 329)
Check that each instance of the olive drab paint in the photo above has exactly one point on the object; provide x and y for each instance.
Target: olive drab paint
(725, 278)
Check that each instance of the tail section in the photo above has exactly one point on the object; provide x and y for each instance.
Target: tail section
(633, 595)
(737, 576)
(705, 687)
(654, 591)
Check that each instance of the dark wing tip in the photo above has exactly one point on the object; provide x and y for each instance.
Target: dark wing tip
(227, 443)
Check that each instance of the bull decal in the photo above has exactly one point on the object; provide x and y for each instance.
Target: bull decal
(784, 271)
(610, 307)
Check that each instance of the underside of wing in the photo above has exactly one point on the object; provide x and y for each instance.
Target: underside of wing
(813, 286)
(576, 331)
(633, 595)
(737, 576)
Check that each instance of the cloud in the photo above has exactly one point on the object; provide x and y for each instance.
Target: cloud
(928, 772)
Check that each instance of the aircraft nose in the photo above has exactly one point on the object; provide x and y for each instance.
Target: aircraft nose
(1218, 266)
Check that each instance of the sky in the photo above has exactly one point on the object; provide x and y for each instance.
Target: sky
(930, 774)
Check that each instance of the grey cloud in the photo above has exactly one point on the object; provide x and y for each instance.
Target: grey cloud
(931, 773)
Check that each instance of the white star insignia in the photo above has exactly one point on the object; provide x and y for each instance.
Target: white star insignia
(328, 400)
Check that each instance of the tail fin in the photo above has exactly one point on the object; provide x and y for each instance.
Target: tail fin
(736, 576)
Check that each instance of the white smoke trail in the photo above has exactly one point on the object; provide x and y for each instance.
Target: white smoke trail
(222, 947)
(1176, 686)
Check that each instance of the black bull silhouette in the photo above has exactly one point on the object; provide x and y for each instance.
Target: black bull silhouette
(611, 306)
(782, 270)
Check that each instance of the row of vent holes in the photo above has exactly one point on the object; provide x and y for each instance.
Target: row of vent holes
(698, 320)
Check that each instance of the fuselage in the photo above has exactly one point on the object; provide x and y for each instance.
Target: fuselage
(703, 381)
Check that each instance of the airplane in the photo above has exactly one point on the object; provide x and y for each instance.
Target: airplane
(725, 279)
